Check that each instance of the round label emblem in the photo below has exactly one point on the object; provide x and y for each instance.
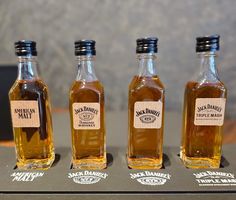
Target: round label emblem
(86, 179)
(147, 118)
(151, 181)
(86, 116)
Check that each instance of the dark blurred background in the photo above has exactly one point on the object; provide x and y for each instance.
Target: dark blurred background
(115, 25)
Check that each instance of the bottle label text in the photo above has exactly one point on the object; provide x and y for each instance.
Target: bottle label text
(209, 111)
(86, 116)
(25, 113)
(148, 114)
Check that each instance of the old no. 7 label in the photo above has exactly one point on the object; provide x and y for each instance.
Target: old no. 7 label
(86, 116)
(25, 113)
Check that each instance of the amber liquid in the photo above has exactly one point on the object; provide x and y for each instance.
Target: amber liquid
(34, 146)
(201, 145)
(88, 146)
(145, 145)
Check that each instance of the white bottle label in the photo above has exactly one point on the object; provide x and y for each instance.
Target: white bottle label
(148, 114)
(209, 111)
(25, 114)
(86, 116)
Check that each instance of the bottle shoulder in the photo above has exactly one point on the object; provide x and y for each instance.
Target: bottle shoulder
(86, 91)
(28, 89)
(141, 82)
(206, 90)
(199, 85)
(83, 85)
(146, 89)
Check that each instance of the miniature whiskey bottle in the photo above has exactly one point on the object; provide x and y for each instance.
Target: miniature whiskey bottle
(31, 112)
(86, 105)
(146, 110)
(204, 107)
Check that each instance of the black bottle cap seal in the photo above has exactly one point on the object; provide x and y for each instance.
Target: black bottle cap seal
(147, 45)
(25, 48)
(85, 47)
(208, 43)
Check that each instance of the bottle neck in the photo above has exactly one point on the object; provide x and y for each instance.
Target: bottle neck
(27, 68)
(147, 64)
(208, 69)
(86, 70)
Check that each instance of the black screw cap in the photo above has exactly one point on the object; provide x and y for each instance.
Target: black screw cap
(147, 45)
(25, 48)
(208, 43)
(85, 47)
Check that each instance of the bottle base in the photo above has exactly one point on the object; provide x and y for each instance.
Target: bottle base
(200, 162)
(35, 164)
(144, 163)
(90, 164)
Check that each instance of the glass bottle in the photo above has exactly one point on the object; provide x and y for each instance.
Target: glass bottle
(204, 107)
(86, 105)
(146, 110)
(31, 112)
